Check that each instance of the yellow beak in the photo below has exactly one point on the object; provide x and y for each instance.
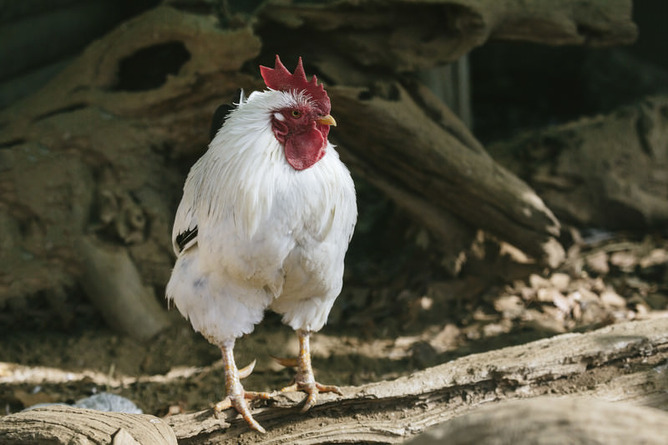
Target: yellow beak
(326, 120)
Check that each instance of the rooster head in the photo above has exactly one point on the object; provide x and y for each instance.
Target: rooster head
(301, 124)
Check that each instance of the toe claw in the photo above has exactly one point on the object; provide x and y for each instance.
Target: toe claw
(288, 362)
(290, 388)
(240, 405)
(312, 390)
(252, 395)
(245, 413)
(242, 408)
(310, 399)
(221, 406)
(236, 395)
(247, 370)
(328, 388)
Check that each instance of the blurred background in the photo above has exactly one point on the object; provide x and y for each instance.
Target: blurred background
(105, 105)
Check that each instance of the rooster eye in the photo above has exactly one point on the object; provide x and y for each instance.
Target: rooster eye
(296, 114)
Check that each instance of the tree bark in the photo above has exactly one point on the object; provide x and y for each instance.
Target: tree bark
(435, 166)
(620, 363)
(404, 35)
(62, 424)
(575, 420)
(624, 362)
(582, 169)
(92, 165)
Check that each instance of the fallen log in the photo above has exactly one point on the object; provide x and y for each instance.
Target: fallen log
(404, 35)
(624, 362)
(619, 363)
(436, 167)
(554, 420)
(62, 424)
(601, 171)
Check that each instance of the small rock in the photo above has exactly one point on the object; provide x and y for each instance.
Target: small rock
(584, 296)
(543, 322)
(538, 282)
(654, 258)
(494, 329)
(563, 303)
(528, 293)
(642, 310)
(611, 298)
(548, 295)
(624, 260)
(105, 401)
(511, 306)
(597, 285)
(593, 314)
(598, 263)
(560, 281)
(446, 339)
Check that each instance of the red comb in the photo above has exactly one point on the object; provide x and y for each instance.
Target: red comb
(279, 78)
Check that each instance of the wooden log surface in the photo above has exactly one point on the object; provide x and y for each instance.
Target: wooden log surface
(619, 363)
(582, 168)
(62, 424)
(625, 362)
(557, 420)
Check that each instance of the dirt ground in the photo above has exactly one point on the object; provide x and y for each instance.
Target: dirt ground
(380, 328)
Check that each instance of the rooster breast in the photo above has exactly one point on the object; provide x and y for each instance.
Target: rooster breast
(267, 235)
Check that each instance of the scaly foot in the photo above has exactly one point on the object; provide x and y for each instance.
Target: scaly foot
(304, 380)
(236, 395)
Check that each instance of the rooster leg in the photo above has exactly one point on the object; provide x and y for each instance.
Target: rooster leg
(304, 380)
(236, 395)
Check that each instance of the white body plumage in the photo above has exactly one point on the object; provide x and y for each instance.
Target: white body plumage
(268, 236)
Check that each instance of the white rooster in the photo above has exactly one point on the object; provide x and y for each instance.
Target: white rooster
(264, 223)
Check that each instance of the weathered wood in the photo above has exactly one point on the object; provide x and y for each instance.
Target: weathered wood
(624, 362)
(619, 363)
(91, 156)
(433, 166)
(114, 286)
(102, 150)
(574, 420)
(404, 35)
(62, 424)
(603, 171)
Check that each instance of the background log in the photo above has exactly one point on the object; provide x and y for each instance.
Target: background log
(97, 154)
(102, 150)
(427, 34)
(430, 166)
(39, 38)
(605, 171)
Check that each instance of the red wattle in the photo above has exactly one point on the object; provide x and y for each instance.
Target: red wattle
(305, 149)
